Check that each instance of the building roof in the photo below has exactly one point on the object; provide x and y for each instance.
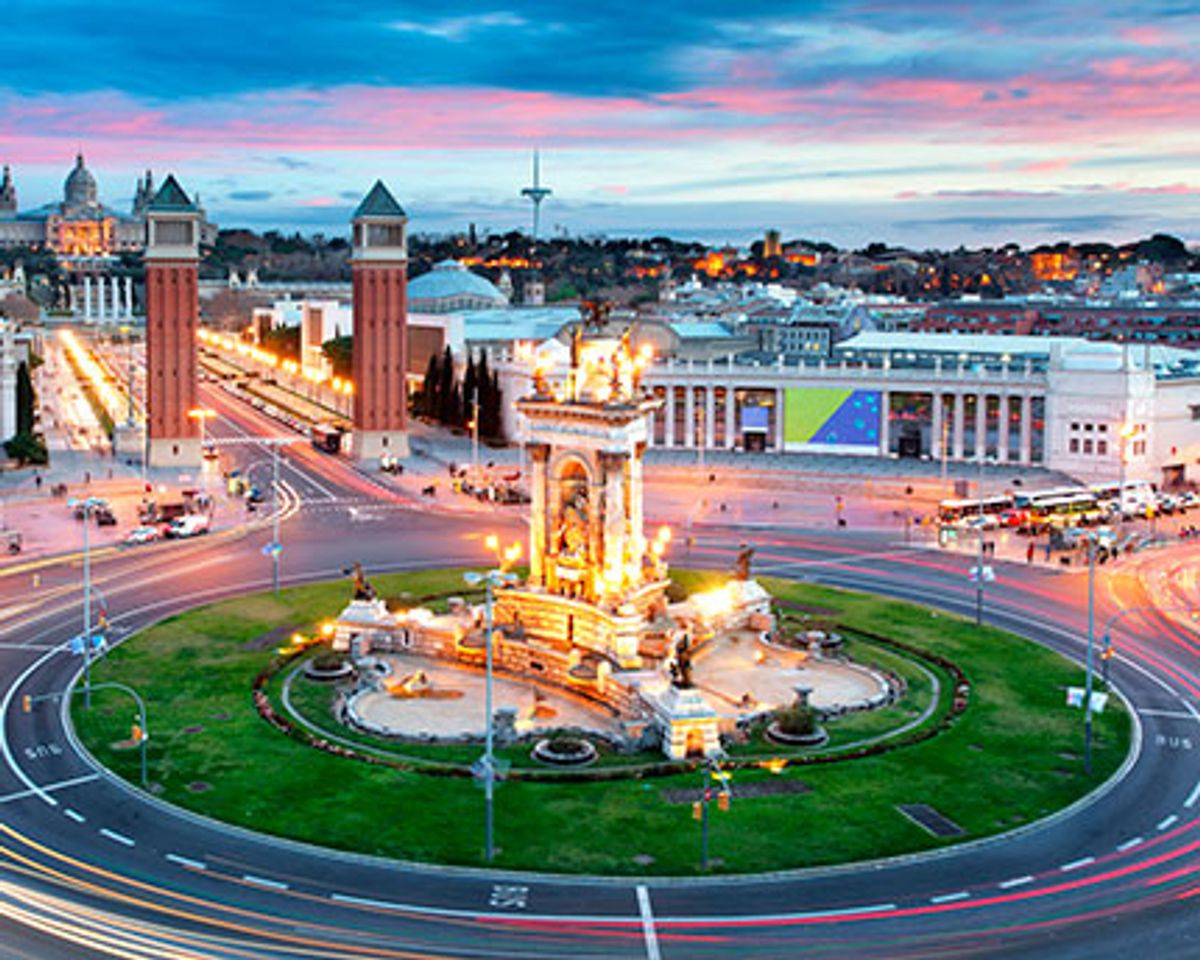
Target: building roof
(701, 330)
(450, 279)
(379, 202)
(531, 323)
(171, 198)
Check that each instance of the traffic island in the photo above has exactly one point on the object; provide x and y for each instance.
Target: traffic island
(417, 800)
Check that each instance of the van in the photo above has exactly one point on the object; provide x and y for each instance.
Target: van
(193, 525)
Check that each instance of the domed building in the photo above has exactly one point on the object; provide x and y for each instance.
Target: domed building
(450, 287)
(79, 227)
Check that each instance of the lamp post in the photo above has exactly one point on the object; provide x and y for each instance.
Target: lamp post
(87, 505)
(491, 579)
(979, 568)
(128, 331)
(202, 414)
(1091, 632)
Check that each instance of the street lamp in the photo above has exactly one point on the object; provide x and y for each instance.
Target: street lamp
(128, 331)
(202, 414)
(87, 506)
(491, 579)
(979, 574)
(1091, 633)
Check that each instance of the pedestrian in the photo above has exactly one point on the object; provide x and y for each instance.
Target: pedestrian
(1029, 552)
(1047, 551)
(37, 480)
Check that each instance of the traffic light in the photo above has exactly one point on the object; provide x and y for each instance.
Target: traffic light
(1107, 653)
(135, 733)
(723, 801)
(697, 810)
(27, 704)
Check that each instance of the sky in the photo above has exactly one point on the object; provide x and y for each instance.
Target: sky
(927, 124)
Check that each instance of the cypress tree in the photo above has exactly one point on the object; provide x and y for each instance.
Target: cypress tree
(497, 407)
(470, 385)
(427, 403)
(24, 400)
(446, 388)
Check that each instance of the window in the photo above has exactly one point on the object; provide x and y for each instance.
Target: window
(1075, 426)
(1103, 428)
(1102, 447)
(1073, 446)
(1087, 446)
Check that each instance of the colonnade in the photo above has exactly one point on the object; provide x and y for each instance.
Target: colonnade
(711, 419)
(107, 299)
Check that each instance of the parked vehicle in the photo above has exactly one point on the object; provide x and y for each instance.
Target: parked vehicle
(12, 541)
(104, 517)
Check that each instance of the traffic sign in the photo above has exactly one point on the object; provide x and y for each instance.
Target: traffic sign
(989, 575)
(272, 550)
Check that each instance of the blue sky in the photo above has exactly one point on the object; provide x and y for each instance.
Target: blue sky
(930, 124)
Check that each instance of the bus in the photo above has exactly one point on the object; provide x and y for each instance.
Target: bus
(960, 513)
(1074, 509)
(326, 437)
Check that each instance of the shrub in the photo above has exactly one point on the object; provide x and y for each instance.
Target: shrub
(796, 721)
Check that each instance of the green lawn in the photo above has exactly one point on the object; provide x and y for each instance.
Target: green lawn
(1010, 758)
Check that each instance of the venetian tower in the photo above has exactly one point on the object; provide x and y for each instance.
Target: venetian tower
(172, 310)
(379, 261)
(594, 580)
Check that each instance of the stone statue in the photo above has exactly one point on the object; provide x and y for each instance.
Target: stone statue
(741, 566)
(681, 666)
(573, 530)
(362, 586)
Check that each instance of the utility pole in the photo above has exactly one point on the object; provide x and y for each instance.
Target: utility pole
(475, 433)
(1091, 633)
(276, 547)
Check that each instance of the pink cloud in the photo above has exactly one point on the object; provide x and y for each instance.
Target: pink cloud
(1052, 165)
(1176, 189)
(1143, 36)
(320, 202)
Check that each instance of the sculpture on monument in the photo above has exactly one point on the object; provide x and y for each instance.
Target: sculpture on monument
(741, 566)
(362, 586)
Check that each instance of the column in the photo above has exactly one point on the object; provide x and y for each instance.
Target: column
(960, 424)
(613, 467)
(538, 454)
(935, 428)
(637, 549)
(1026, 429)
(129, 297)
(87, 299)
(669, 433)
(1002, 428)
(689, 412)
(730, 417)
(779, 419)
(710, 415)
(101, 306)
(885, 412)
(981, 426)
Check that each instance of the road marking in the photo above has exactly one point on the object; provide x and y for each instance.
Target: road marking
(1192, 710)
(77, 817)
(1192, 797)
(115, 837)
(643, 899)
(367, 902)
(264, 882)
(950, 897)
(1016, 882)
(1166, 822)
(1166, 714)
(61, 785)
(1129, 844)
(185, 862)
(1076, 864)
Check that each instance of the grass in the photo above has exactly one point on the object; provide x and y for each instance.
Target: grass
(1009, 759)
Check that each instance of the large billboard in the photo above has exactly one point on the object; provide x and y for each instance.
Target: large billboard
(831, 417)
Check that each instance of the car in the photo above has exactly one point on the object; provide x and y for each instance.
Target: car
(104, 517)
(210, 452)
(192, 525)
(140, 535)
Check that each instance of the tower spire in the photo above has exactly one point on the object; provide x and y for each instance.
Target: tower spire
(536, 193)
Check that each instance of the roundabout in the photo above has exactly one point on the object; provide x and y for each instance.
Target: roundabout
(93, 867)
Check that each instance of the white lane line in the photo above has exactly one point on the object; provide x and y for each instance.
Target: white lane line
(1166, 822)
(1192, 710)
(1016, 882)
(950, 897)
(49, 787)
(367, 902)
(264, 882)
(115, 837)
(1076, 864)
(77, 817)
(643, 899)
(1192, 797)
(1167, 714)
(1129, 844)
(185, 862)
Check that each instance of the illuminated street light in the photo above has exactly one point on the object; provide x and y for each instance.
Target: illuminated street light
(87, 506)
(202, 414)
(492, 578)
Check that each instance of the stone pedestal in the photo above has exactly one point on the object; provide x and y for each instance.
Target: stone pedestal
(362, 621)
(688, 724)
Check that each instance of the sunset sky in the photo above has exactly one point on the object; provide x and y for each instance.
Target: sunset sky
(926, 124)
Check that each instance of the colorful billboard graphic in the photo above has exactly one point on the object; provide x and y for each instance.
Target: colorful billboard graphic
(831, 416)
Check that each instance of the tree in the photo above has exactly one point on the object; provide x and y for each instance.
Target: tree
(426, 402)
(470, 391)
(25, 400)
(284, 341)
(340, 353)
(446, 389)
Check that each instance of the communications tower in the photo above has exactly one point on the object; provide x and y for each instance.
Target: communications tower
(536, 194)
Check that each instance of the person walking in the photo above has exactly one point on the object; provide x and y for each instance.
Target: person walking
(1029, 552)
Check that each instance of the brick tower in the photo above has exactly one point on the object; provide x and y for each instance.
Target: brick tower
(379, 261)
(172, 309)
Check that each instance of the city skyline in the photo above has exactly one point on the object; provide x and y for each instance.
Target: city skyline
(846, 122)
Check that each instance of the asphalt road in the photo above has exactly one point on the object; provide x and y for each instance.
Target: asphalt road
(92, 867)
